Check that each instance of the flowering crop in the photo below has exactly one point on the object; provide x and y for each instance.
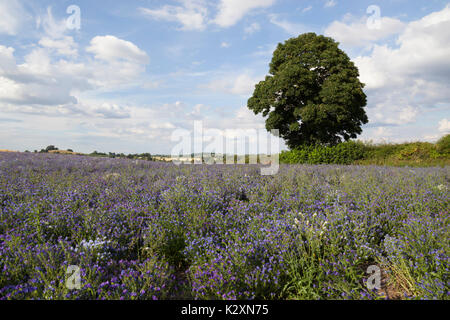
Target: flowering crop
(147, 230)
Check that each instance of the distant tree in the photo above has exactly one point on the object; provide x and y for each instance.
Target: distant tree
(70, 150)
(98, 154)
(51, 148)
(146, 156)
(312, 94)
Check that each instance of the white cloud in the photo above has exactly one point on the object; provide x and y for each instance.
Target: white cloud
(247, 119)
(396, 114)
(265, 51)
(431, 137)
(293, 29)
(65, 46)
(12, 15)
(382, 132)
(225, 45)
(112, 49)
(43, 81)
(161, 125)
(406, 80)
(231, 11)
(117, 63)
(192, 14)
(109, 110)
(254, 27)
(7, 60)
(36, 81)
(357, 33)
(53, 28)
(330, 3)
(444, 126)
(306, 9)
(242, 84)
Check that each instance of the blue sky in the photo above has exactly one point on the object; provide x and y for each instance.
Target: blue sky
(135, 71)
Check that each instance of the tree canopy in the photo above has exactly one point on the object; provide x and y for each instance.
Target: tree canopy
(312, 94)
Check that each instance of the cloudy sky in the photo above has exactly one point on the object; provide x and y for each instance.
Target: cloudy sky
(126, 74)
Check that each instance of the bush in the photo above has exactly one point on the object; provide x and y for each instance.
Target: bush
(168, 241)
(382, 151)
(417, 151)
(51, 148)
(443, 145)
(414, 153)
(343, 153)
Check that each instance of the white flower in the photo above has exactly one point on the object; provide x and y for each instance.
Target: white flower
(112, 175)
(93, 244)
(180, 178)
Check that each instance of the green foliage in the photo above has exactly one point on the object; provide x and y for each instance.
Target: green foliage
(142, 156)
(382, 151)
(343, 153)
(313, 94)
(51, 148)
(172, 245)
(443, 145)
(417, 150)
(412, 154)
(98, 154)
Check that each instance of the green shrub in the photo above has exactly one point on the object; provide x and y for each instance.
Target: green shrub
(171, 244)
(382, 151)
(417, 151)
(343, 153)
(443, 145)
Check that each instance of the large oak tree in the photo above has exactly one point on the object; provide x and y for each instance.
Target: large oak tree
(312, 94)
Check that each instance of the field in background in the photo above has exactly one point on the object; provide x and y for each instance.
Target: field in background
(414, 154)
(152, 230)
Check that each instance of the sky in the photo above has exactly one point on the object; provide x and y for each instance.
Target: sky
(122, 76)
